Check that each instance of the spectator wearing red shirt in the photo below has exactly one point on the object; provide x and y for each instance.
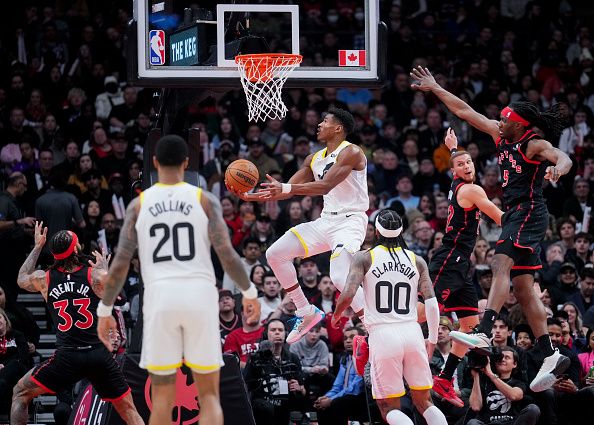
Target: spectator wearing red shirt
(245, 340)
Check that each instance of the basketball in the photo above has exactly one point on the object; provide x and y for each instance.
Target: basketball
(241, 176)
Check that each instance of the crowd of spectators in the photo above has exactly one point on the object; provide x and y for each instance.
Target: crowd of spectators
(72, 133)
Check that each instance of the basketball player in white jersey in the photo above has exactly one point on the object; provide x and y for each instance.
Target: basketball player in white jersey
(174, 224)
(391, 275)
(339, 173)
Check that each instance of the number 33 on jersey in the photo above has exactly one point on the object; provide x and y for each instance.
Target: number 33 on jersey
(172, 234)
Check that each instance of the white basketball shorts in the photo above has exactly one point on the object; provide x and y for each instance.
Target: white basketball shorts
(181, 325)
(329, 232)
(397, 351)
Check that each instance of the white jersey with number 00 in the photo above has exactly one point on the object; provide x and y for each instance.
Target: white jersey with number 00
(172, 230)
(350, 195)
(390, 287)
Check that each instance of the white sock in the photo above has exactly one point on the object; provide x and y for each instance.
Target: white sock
(298, 297)
(396, 417)
(434, 416)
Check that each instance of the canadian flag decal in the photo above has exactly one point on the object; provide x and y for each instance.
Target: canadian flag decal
(351, 58)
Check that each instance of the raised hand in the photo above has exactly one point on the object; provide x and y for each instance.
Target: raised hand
(424, 80)
(40, 234)
(451, 141)
(101, 260)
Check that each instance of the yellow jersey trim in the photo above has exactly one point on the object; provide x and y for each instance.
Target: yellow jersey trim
(169, 185)
(426, 387)
(165, 367)
(200, 367)
(141, 198)
(199, 194)
(296, 233)
(372, 256)
(391, 395)
(386, 248)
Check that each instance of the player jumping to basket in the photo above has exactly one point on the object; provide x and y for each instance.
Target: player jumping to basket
(523, 156)
(450, 265)
(339, 173)
(391, 275)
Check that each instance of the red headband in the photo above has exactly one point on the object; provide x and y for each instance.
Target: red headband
(70, 249)
(512, 116)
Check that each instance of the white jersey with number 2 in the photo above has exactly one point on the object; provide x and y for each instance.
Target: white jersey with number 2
(390, 287)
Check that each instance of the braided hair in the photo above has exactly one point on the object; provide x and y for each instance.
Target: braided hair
(552, 122)
(60, 243)
(390, 220)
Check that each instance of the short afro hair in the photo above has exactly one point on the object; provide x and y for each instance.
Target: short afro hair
(345, 118)
(171, 150)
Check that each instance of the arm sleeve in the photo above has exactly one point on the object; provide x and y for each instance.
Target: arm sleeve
(432, 313)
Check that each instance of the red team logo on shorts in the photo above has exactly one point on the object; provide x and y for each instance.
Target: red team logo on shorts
(186, 400)
(445, 294)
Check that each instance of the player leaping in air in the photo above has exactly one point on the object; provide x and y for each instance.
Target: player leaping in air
(523, 159)
(339, 173)
(450, 265)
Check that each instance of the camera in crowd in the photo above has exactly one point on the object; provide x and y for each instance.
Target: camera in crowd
(478, 361)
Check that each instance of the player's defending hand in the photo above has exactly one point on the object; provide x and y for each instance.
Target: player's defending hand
(252, 308)
(451, 141)
(106, 326)
(552, 174)
(424, 80)
(245, 196)
(101, 260)
(272, 188)
(40, 234)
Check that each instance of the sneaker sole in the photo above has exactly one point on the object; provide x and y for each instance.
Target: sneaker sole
(547, 381)
(298, 335)
(474, 345)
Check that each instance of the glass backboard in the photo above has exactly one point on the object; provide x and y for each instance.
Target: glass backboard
(182, 43)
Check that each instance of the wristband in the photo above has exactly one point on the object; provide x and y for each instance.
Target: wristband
(453, 151)
(251, 293)
(286, 188)
(104, 310)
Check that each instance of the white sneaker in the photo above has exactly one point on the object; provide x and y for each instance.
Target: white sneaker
(476, 341)
(552, 366)
(304, 324)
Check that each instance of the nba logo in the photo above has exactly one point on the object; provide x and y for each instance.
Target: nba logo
(157, 44)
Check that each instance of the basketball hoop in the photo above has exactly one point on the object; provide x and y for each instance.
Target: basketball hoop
(262, 77)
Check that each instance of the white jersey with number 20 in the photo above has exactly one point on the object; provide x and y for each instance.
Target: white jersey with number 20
(390, 287)
(172, 230)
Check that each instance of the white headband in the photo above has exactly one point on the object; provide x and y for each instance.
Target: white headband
(387, 232)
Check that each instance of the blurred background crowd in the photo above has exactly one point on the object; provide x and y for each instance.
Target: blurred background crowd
(72, 133)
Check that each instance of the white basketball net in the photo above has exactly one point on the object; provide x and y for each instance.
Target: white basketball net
(262, 78)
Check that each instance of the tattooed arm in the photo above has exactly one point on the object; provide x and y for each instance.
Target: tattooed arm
(431, 305)
(114, 282)
(359, 267)
(30, 279)
(218, 233)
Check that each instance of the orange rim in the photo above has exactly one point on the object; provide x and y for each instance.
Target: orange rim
(259, 66)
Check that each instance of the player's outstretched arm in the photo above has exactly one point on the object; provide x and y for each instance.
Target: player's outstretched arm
(359, 267)
(474, 194)
(303, 175)
(544, 150)
(348, 160)
(30, 279)
(431, 307)
(426, 82)
(127, 244)
(218, 233)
